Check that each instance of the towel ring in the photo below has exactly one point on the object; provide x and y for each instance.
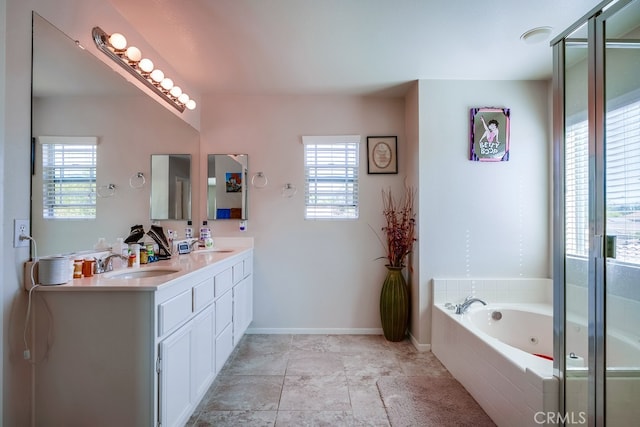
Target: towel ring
(137, 180)
(106, 190)
(259, 180)
(288, 190)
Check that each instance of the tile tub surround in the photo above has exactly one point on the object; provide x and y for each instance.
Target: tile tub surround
(520, 290)
(294, 380)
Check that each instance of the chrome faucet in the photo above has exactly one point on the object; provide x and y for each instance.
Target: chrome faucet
(461, 308)
(194, 243)
(104, 265)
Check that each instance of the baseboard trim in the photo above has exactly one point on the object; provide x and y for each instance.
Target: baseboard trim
(417, 345)
(331, 331)
(316, 331)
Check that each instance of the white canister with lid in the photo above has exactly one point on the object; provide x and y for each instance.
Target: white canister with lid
(53, 270)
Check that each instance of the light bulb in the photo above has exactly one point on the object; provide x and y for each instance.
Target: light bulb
(175, 91)
(166, 84)
(118, 41)
(157, 75)
(133, 54)
(191, 104)
(184, 98)
(146, 65)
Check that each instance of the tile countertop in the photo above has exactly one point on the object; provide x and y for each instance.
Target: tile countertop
(185, 264)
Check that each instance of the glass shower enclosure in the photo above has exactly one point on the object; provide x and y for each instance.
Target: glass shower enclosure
(596, 112)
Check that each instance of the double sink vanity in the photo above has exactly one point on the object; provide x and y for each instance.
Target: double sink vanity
(134, 346)
(140, 346)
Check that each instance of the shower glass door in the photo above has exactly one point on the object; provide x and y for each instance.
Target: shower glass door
(576, 222)
(621, 139)
(597, 223)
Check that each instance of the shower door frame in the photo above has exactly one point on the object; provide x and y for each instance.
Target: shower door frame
(596, 42)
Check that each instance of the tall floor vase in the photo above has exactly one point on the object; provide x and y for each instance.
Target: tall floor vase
(394, 305)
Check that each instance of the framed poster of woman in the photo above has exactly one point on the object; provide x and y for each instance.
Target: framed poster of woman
(489, 140)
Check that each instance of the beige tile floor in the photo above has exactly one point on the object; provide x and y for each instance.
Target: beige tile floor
(309, 380)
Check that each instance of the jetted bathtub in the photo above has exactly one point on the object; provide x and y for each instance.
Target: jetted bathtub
(501, 353)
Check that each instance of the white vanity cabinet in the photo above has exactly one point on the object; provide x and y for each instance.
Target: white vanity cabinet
(138, 355)
(186, 357)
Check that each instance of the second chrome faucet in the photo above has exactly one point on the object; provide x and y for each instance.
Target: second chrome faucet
(461, 308)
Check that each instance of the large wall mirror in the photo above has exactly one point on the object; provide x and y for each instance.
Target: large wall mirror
(227, 186)
(77, 96)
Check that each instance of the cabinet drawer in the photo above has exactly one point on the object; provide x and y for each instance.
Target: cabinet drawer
(174, 311)
(203, 294)
(224, 311)
(223, 282)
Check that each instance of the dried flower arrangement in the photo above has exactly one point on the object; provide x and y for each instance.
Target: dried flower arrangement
(400, 229)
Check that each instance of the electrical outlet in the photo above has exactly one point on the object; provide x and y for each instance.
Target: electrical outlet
(21, 228)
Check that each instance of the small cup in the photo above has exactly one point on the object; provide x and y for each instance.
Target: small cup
(87, 267)
(77, 269)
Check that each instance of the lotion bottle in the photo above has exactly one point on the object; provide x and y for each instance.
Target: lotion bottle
(205, 233)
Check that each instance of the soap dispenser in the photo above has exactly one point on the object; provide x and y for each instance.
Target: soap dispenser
(188, 231)
(205, 235)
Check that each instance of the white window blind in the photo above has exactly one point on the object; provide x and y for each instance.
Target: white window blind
(68, 177)
(622, 155)
(622, 162)
(577, 189)
(331, 176)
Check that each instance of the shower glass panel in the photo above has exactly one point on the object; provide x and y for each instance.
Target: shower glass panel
(622, 213)
(576, 221)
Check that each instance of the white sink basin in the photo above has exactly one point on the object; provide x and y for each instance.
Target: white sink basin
(141, 273)
(210, 250)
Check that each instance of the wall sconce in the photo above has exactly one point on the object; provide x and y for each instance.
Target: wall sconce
(130, 58)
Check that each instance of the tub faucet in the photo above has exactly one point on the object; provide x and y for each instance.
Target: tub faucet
(104, 265)
(461, 308)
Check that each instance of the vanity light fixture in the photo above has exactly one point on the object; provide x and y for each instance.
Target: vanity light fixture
(130, 58)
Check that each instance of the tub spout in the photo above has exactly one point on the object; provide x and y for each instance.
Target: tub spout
(461, 308)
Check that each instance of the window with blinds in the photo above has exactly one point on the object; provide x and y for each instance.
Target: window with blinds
(622, 162)
(68, 177)
(331, 166)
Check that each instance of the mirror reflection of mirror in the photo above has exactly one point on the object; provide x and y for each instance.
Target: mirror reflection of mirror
(170, 187)
(227, 186)
(77, 95)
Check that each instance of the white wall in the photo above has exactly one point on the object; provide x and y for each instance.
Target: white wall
(482, 220)
(309, 275)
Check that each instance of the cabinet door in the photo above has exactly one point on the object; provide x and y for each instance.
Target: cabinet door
(224, 347)
(224, 311)
(242, 308)
(203, 352)
(174, 380)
